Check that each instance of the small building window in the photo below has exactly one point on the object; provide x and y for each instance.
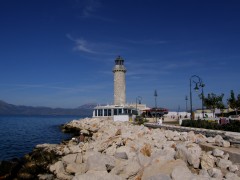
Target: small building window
(100, 112)
(119, 111)
(109, 112)
(105, 112)
(115, 112)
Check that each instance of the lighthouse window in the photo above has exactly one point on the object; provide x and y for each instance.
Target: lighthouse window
(95, 111)
(115, 112)
(119, 111)
(105, 112)
(125, 111)
(109, 112)
(100, 112)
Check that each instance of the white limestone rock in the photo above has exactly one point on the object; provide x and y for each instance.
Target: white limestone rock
(215, 173)
(70, 158)
(211, 140)
(232, 176)
(200, 138)
(233, 168)
(183, 136)
(159, 168)
(73, 168)
(59, 171)
(97, 175)
(223, 163)
(189, 152)
(219, 141)
(181, 172)
(207, 161)
(191, 136)
(111, 150)
(218, 153)
(131, 152)
(100, 162)
(121, 155)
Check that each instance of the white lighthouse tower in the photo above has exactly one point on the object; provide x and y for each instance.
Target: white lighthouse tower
(119, 111)
(119, 71)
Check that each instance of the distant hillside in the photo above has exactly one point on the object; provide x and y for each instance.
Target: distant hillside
(10, 109)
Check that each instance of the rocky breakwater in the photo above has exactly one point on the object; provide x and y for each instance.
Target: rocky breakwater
(120, 150)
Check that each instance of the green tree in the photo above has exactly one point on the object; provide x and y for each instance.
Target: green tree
(212, 101)
(234, 103)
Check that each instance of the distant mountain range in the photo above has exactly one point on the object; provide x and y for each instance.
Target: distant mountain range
(10, 109)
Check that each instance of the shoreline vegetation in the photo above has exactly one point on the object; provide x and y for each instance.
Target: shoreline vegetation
(121, 150)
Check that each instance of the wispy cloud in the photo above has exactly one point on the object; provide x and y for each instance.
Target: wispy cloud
(146, 41)
(97, 48)
(81, 45)
(90, 9)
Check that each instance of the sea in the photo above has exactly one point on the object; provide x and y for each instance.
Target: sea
(20, 134)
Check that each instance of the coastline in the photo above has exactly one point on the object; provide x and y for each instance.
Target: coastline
(121, 150)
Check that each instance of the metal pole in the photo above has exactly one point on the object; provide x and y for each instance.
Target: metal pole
(191, 98)
(155, 94)
(198, 83)
(186, 98)
(136, 103)
(202, 101)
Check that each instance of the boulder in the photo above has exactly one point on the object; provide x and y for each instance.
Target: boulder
(131, 152)
(121, 155)
(191, 136)
(169, 135)
(111, 150)
(130, 170)
(204, 173)
(143, 160)
(211, 140)
(97, 175)
(85, 132)
(159, 168)
(207, 161)
(183, 136)
(73, 168)
(160, 177)
(189, 152)
(223, 163)
(70, 158)
(181, 172)
(45, 176)
(200, 138)
(232, 176)
(100, 162)
(59, 171)
(219, 141)
(215, 173)
(218, 153)
(233, 168)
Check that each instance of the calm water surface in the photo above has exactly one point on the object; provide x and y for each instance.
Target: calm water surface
(20, 134)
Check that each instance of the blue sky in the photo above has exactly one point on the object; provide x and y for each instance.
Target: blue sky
(61, 53)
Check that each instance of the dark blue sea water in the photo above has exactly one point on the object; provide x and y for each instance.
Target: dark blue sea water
(20, 134)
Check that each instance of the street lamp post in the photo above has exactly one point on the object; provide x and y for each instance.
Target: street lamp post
(198, 83)
(138, 101)
(155, 95)
(186, 98)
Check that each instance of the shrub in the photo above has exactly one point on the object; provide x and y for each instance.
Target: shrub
(140, 120)
(233, 125)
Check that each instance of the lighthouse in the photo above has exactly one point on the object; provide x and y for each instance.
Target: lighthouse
(119, 71)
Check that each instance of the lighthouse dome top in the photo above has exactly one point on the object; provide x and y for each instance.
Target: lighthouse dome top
(119, 65)
(119, 61)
